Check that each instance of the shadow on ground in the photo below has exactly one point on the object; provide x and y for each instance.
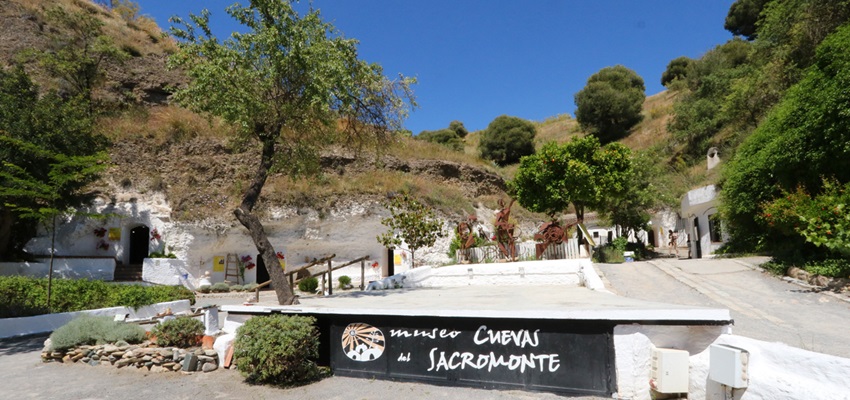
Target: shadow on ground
(22, 344)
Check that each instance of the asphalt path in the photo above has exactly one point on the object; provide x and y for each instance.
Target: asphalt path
(763, 306)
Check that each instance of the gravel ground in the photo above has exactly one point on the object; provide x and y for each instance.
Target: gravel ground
(26, 377)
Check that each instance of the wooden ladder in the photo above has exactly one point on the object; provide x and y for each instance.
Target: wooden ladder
(231, 267)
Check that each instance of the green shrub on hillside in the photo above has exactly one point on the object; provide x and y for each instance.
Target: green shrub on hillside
(344, 281)
(220, 287)
(507, 139)
(278, 349)
(89, 330)
(179, 332)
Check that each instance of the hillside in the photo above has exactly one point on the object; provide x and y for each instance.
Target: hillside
(162, 148)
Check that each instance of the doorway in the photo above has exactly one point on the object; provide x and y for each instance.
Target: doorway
(696, 239)
(139, 244)
(262, 271)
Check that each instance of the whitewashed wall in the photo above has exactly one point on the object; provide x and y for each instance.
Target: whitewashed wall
(68, 268)
(777, 371)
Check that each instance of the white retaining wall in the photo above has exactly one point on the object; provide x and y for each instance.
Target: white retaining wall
(68, 268)
(170, 271)
(11, 327)
(776, 371)
(552, 272)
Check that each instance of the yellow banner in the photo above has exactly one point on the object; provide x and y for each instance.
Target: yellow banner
(114, 233)
(218, 264)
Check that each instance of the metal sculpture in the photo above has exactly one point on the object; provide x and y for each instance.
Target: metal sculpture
(550, 233)
(505, 231)
(466, 235)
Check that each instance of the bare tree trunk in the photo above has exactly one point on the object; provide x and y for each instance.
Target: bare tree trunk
(285, 295)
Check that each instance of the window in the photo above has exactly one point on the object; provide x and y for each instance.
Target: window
(715, 228)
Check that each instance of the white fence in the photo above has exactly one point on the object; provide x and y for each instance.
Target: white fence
(525, 251)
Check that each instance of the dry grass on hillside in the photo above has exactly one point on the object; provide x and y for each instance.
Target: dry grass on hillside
(162, 125)
(138, 36)
(657, 112)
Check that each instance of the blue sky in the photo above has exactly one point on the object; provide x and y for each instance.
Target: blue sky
(478, 59)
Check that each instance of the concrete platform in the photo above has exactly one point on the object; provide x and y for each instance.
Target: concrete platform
(538, 302)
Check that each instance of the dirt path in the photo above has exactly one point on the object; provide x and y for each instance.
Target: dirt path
(26, 377)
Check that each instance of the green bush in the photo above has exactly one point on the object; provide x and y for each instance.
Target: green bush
(88, 330)
(308, 285)
(278, 350)
(833, 268)
(204, 289)
(608, 254)
(23, 296)
(179, 332)
(250, 287)
(236, 288)
(507, 139)
(220, 287)
(344, 281)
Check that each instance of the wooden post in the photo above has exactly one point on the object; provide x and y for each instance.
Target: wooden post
(330, 278)
(362, 274)
(323, 284)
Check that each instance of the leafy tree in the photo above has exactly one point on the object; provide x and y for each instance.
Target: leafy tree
(445, 137)
(676, 69)
(39, 132)
(411, 223)
(290, 83)
(611, 103)
(802, 141)
(579, 172)
(459, 129)
(45, 200)
(699, 113)
(743, 16)
(507, 139)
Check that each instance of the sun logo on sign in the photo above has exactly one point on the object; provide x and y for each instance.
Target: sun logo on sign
(362, 342)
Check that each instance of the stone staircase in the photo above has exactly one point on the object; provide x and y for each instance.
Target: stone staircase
(128, 273)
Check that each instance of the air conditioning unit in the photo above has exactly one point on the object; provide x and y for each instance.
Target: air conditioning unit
(728, 365)
(670, 369)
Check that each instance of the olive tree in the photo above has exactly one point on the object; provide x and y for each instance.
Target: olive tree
(291, 84)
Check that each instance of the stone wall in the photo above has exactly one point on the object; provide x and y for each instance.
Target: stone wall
(154, 359)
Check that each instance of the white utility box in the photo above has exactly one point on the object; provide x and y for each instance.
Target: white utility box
(670, 370)
(728, 365)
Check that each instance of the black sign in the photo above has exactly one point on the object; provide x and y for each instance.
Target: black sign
(574, 357)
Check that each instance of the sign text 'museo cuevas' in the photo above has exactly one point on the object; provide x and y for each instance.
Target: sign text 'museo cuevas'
(505, 353)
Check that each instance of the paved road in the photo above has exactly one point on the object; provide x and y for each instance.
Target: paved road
(763, 306)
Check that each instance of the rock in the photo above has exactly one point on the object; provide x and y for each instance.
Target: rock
(209, 367)
(157, 361)
(95, 357)
(210, 353)
(190, 363)
(67, 359)
(117, 354)
(77, 357)
(94, 363)
(821, 280)
(110, 348)
(157, 368)
(166, 353)
(176, 367)
(123, 362)
(48, 344)
(168, 364)
(85, 360)
(206, 359)
(148, 365)
(122, 345)
(147, 358)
